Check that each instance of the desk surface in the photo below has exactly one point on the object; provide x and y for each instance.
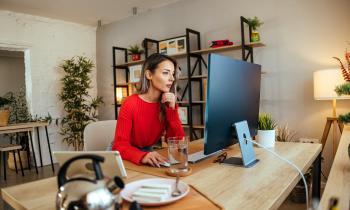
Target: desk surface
(264, 186)
(338, 183)
(21, 127)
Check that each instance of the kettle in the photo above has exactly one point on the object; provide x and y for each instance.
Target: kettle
(81, 192)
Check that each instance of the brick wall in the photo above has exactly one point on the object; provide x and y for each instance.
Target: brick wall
(46, 42)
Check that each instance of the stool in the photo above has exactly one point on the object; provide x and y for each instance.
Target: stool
(11, 147)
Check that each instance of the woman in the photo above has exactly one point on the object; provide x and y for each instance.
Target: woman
(144, 117)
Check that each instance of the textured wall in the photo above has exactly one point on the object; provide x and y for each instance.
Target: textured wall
(46, 42)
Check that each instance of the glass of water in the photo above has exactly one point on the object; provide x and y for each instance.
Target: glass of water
(178, 154)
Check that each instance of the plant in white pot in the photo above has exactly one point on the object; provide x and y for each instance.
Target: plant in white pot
(4, 111)
(266, 130)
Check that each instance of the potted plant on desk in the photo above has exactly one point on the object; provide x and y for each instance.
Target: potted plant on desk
(4, 111)
(135, 51)
(266, 130)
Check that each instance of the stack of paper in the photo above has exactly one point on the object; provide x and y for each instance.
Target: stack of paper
(149, 193)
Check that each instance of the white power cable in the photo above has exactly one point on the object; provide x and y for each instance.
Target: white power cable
(292, 164)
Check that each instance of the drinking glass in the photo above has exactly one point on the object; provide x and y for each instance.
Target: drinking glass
(178, 154)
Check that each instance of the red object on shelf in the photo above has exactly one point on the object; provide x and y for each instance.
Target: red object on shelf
(220, 43)
(135, 57)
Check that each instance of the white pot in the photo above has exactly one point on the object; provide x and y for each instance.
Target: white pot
(266, 138)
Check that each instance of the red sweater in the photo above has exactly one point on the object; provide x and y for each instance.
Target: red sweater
(139, 126)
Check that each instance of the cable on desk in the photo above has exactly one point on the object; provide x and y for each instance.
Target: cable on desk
(290, 163)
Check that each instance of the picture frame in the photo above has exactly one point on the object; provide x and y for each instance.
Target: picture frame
(183, 114)
(135, 73)
(173, 46)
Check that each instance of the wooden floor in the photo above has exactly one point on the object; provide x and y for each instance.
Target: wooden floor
(46, 171)
(15, 179)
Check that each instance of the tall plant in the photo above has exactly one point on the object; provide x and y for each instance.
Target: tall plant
(344, 89)
(79, 106)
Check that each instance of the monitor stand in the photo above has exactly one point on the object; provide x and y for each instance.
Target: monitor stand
(248, 155)
(198, 156)
(239, 162)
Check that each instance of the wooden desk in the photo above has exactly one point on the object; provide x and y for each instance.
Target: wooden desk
(264, 186)
(338, 183)
(29, 128)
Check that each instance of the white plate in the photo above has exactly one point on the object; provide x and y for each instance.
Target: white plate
(133, 186)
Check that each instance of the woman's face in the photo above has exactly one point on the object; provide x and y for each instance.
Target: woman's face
(163, 77)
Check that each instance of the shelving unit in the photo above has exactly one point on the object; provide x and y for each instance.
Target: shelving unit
(194, 75)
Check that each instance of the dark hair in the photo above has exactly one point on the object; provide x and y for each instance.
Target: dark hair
(151, 64)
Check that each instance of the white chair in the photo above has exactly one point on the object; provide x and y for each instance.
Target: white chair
(98, 135)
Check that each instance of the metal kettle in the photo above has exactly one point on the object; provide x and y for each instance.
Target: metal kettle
(81, 192)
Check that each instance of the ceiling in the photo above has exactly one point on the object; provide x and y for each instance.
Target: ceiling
(86, 12)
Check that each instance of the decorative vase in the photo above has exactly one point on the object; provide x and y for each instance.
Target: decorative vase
(255, 36)
(135, 57)
(4, 117)
(266, 138)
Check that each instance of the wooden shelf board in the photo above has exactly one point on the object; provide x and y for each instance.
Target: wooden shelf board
(193, 77)
(126, 84)
(194, 102)
(225, 48)
(209, 50)
(131, 63)
(194, 126)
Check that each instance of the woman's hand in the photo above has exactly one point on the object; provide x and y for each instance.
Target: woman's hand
(169, 98)
(154, 159)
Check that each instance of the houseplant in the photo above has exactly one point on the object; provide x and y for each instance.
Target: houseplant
(4, 111)
(284, 134)
(80, 108)
(344, 89)
(135, 51)
(255, 23)
(19, 113)
(266, 130)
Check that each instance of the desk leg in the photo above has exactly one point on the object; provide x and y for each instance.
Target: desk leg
(316, 178)
(28, 151)
(31, 142)
(48, 144)
(38, 134)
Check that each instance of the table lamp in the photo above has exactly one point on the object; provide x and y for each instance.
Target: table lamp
(325, 82)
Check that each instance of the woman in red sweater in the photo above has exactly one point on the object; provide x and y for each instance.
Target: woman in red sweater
(144, 117)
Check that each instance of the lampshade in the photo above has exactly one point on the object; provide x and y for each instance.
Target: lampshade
(325, 82)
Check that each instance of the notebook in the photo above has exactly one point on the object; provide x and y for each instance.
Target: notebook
(112, 166)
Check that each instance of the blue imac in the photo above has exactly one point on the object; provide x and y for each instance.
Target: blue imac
(233, 95)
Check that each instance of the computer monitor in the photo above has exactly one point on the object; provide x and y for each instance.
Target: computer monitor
(233, 95)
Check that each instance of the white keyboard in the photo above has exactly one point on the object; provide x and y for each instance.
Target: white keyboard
(198, 156)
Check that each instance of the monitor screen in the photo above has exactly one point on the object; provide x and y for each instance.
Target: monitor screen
(233, 95)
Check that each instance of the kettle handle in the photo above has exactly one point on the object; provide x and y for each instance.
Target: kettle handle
(96, 159)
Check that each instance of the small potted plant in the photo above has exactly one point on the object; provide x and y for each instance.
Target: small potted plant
(135, 51)
(266, 130)
(4, 111)
(255, 23)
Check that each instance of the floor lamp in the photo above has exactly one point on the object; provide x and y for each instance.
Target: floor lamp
(325, 82)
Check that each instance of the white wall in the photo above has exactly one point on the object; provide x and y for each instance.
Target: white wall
(11, 74)
(300, 37)
(46, 43)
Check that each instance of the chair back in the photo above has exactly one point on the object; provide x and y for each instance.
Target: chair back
(98, 135)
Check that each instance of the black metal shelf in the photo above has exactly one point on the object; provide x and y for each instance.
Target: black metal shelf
(194, 72)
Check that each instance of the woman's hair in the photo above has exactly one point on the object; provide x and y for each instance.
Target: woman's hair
(151, 64)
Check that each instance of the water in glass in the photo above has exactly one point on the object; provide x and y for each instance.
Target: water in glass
(178, 154)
